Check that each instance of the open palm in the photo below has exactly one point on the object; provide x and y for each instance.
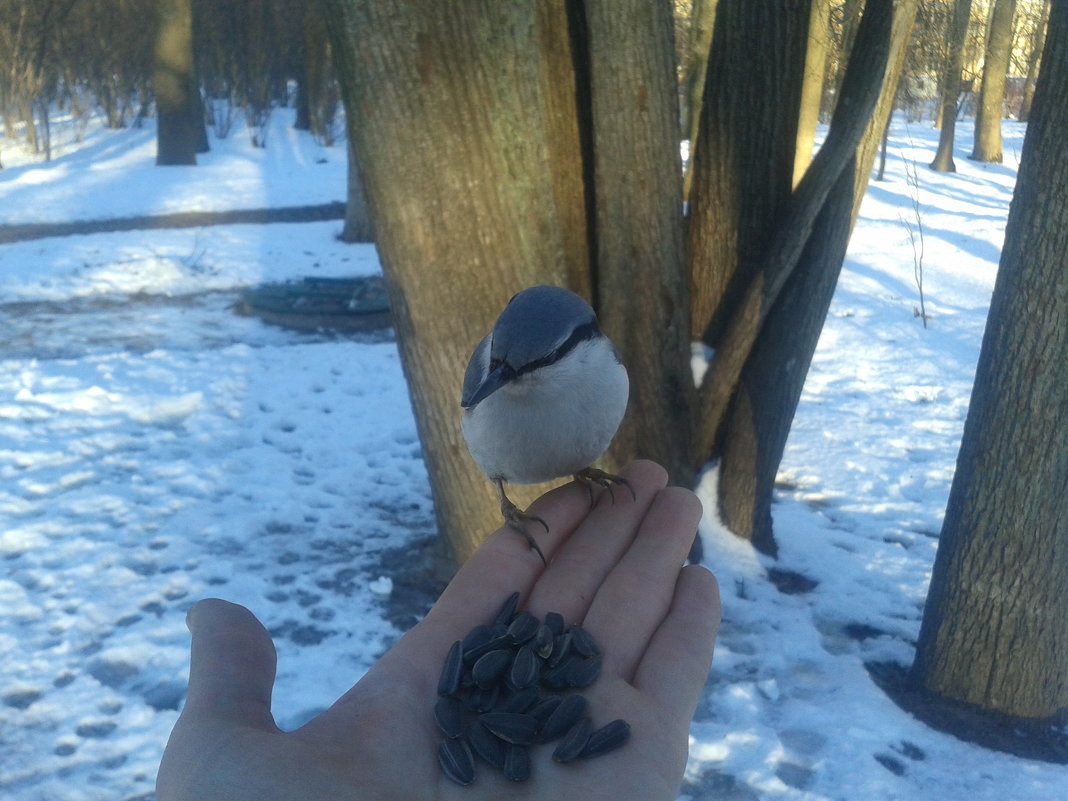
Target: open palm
(616, 568)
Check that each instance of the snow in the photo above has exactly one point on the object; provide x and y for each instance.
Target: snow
(155, 449)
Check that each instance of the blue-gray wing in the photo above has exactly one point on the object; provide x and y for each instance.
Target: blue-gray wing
(477, 369)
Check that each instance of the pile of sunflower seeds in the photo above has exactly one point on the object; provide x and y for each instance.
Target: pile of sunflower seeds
(491, 703)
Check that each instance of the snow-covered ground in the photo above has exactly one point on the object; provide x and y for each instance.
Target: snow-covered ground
(155, 448)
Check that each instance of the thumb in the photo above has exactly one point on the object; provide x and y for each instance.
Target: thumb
(232, 665)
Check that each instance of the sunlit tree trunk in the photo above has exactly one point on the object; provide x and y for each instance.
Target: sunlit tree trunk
(987, 146)
(1038, 43)
(951, 76)
(995, 629)
(812, 88)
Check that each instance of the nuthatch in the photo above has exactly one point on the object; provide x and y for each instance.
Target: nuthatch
(543, 395)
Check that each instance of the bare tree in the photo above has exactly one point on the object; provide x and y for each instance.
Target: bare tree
(994, 630)
(172, 81)
(951, 84)
(987, 146)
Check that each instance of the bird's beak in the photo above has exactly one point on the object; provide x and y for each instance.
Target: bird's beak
(493, 381)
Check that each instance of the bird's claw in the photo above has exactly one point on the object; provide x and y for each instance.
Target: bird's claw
(592, 476)
(515, 517)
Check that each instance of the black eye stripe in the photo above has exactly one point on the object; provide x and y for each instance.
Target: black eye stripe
(582, 333)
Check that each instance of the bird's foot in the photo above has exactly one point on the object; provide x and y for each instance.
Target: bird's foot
(591, 477)
(516, 518)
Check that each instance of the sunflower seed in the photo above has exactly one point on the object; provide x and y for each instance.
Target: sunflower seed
(574, 741)
(607, 738)
(582, 642)
(490, 667)
(545, 707)
(561, 648)
(512, 727)
(555, 678)
(479, 700)
(555, 622)
(455, 759)
(525, 669)
(478, 636)
(520, 701)
(523, 627)
(543, 641)
(449, 714)
(452, 671)
(566, 714)
(507, 610)
(581, 673)
(487, 745)
(517, 763)
(500, 643)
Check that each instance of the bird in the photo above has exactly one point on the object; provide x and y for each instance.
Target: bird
(543, 395)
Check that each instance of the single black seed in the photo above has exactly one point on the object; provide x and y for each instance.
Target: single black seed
(517, 764)
(452, 671)
(520, 701)
(571, 708)
(454, 755)
(582, 642)
(543, 641)
(479, 700)
(574, 741)
(503, 642)
(487, 745)
(545, 707)
(561, 648)
(449, 714)
(512, 727)
(555, 678)
(525, 669)
(555, 622)
(507, 609)
(488, 670)
(607, 738)
(581, 673)
(478, 636)
(523, 627)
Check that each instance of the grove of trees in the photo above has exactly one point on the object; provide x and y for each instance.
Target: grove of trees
(499, 145)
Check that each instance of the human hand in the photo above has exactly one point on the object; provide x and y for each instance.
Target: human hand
(615, 568)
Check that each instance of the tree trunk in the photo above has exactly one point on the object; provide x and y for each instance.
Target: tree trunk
(695, 70)
(357, 226)
(951, 78)
(468, 148)
(1038, 43)
(987, 146)
(995, 629)
(638, 255)
(797, 293)
(812, 88)
(177, 140)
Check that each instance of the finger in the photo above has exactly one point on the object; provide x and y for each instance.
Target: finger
(582, 563)
(232, 664)
(675, 666)
(636, 596)
(503, 564)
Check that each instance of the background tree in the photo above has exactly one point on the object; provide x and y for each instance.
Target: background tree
(172, 82)
(550, 156)
(951, 85)
(987, 145)
(995, 629)
(1038, 42)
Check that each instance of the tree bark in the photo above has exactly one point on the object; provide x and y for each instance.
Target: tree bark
(473, 174)
(995, 628)
(951, 79)
(812, 88)
(987, 145)
(695, 71)
(171, 81)
(638, 267)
